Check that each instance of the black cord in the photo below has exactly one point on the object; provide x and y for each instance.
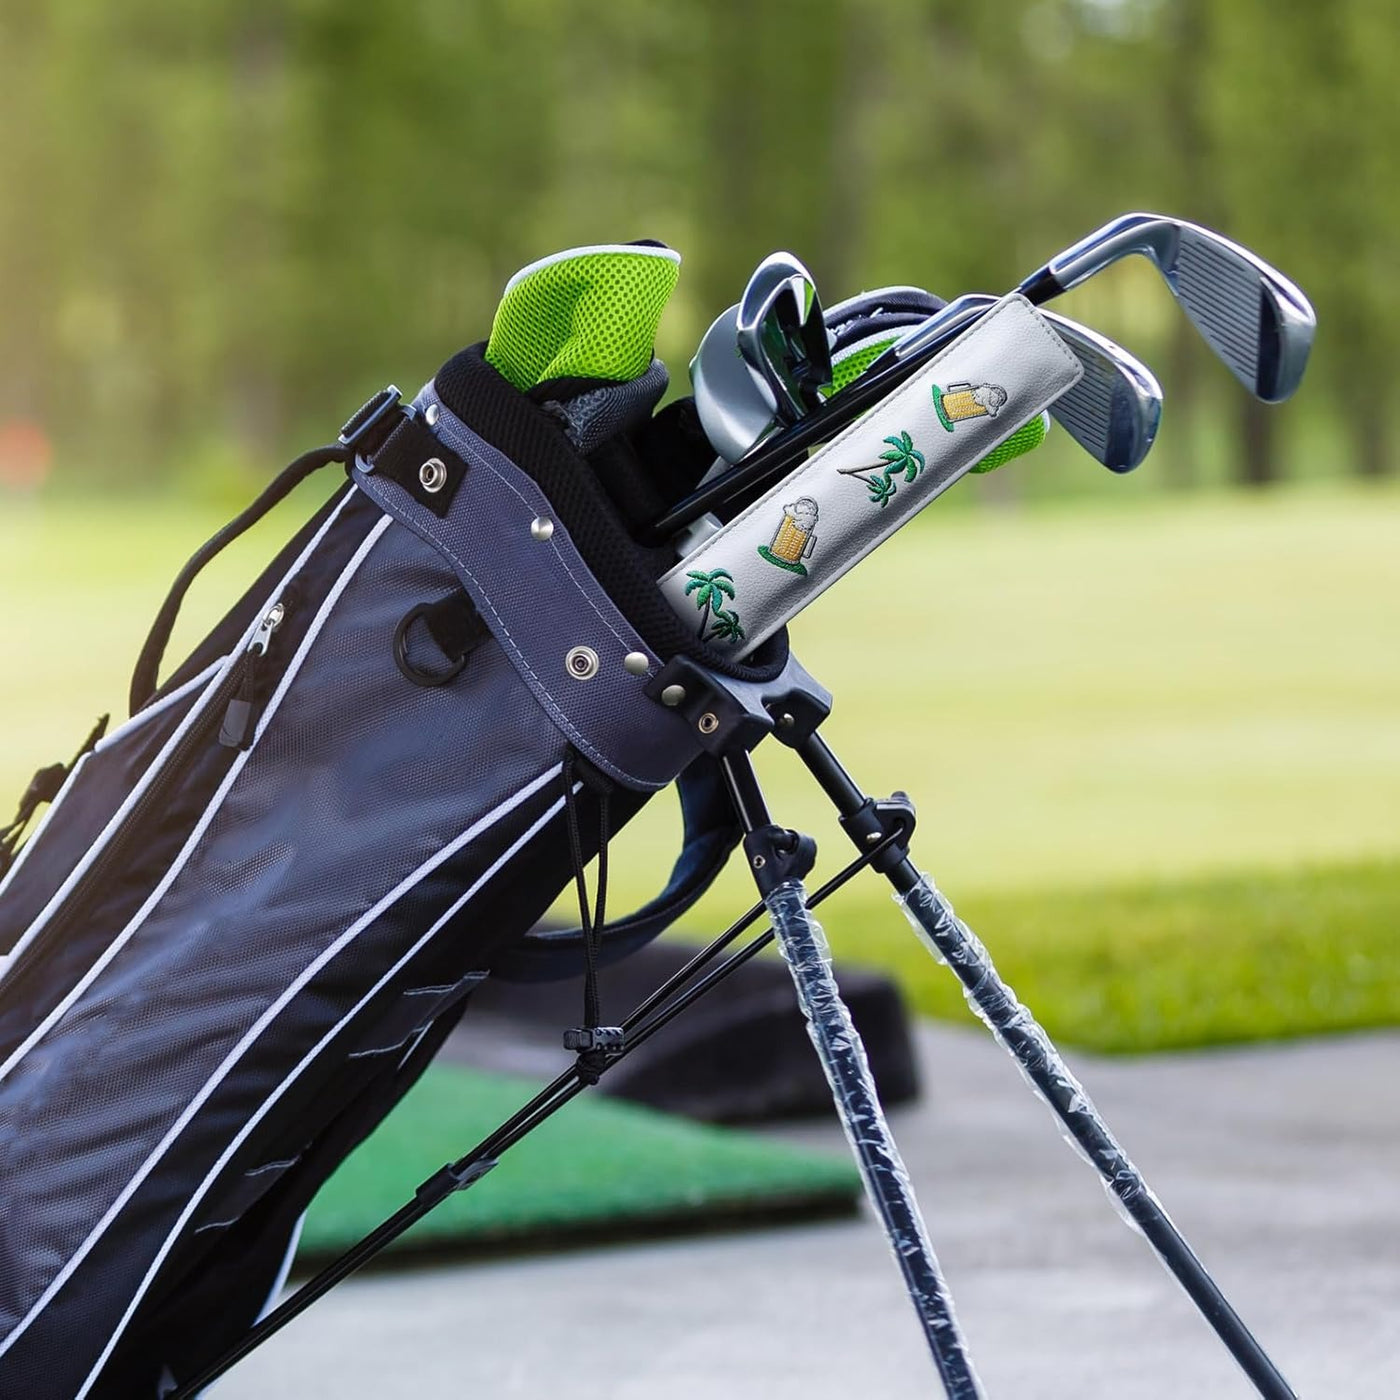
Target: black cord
(145, 678)
(43, 787)
(593, 1057)
(681, 990)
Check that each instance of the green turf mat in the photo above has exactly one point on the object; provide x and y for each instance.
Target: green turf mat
(599, 1170)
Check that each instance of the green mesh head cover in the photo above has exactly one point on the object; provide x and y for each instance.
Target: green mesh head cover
(587, 313)
(856, 360)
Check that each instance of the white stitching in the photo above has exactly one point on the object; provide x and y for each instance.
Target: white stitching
(255, 1118)
(207, 816)
(158, 762)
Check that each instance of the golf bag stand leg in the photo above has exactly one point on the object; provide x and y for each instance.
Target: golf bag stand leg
(951, 941)
(778, 860)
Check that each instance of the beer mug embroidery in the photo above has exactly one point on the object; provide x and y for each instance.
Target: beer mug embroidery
(793, 541)
(961, 401)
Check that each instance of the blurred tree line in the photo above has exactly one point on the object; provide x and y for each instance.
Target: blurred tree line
(224, 224)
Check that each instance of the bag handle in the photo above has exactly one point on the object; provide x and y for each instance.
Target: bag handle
(364, 431)
(145, 678)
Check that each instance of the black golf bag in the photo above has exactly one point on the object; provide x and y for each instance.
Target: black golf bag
(253, 912)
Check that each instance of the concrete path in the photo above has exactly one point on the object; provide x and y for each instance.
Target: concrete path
(1281, 1165)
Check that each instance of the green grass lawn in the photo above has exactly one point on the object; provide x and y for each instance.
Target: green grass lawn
(1106, 711)
(1168, 964)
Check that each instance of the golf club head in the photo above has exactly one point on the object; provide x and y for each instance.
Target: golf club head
(735, 406)
(1114, 410)
(782, 335)
(1258, 323)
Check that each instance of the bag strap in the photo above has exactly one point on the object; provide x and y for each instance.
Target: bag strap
(710, 832)
(145, 678)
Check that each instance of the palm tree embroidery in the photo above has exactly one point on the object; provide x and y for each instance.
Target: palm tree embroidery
(709, 591)
(900, 456)
(726, 627)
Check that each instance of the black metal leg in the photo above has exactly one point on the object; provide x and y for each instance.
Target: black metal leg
(778, 860)
(1017, 1030)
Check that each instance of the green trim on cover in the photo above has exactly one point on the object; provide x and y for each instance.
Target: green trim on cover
(852, 366)
(1024, 439)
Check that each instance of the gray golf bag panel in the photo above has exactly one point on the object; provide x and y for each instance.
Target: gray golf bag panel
(275, 893)
(102, 781)
(543, 605)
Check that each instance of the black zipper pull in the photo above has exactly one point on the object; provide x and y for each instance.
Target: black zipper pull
(240, 719)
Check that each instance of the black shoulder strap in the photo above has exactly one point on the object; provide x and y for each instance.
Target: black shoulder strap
(145, 677)
(710, 832)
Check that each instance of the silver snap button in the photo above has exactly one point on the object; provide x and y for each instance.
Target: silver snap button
(431, 415)
(581, 663)
(673, 695)
(433, 475)
(708, 722)
(541, 528)
(635, 663)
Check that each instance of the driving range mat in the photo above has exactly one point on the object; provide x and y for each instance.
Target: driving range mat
(601, 1170)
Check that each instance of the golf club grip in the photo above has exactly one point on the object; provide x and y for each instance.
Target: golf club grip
(754, 574)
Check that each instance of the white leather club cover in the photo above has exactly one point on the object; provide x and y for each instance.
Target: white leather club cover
(749, 578)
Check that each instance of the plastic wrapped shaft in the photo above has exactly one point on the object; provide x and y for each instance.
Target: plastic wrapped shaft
(1013, 1025)
(887, 1182)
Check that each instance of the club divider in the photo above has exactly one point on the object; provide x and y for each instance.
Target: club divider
(657, 1010)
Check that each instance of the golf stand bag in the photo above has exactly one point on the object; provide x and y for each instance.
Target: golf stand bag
(251, 914)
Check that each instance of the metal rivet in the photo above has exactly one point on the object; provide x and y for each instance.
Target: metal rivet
(433, 475)
(708, 723)
(872, 838)
(581, 663)
(759, 862)
(635, 663)
(673, 695)
(785, 721)
(541, 528)
(431, 414)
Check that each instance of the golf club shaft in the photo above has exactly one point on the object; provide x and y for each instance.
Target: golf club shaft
(1018, 1032)
(778, 453)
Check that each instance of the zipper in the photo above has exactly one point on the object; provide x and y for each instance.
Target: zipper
(241, 717)
(235, 697)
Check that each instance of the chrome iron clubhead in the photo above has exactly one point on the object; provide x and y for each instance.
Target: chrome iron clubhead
(1258, 323)
(736, 409)
(1114, 411)
(782, 336)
